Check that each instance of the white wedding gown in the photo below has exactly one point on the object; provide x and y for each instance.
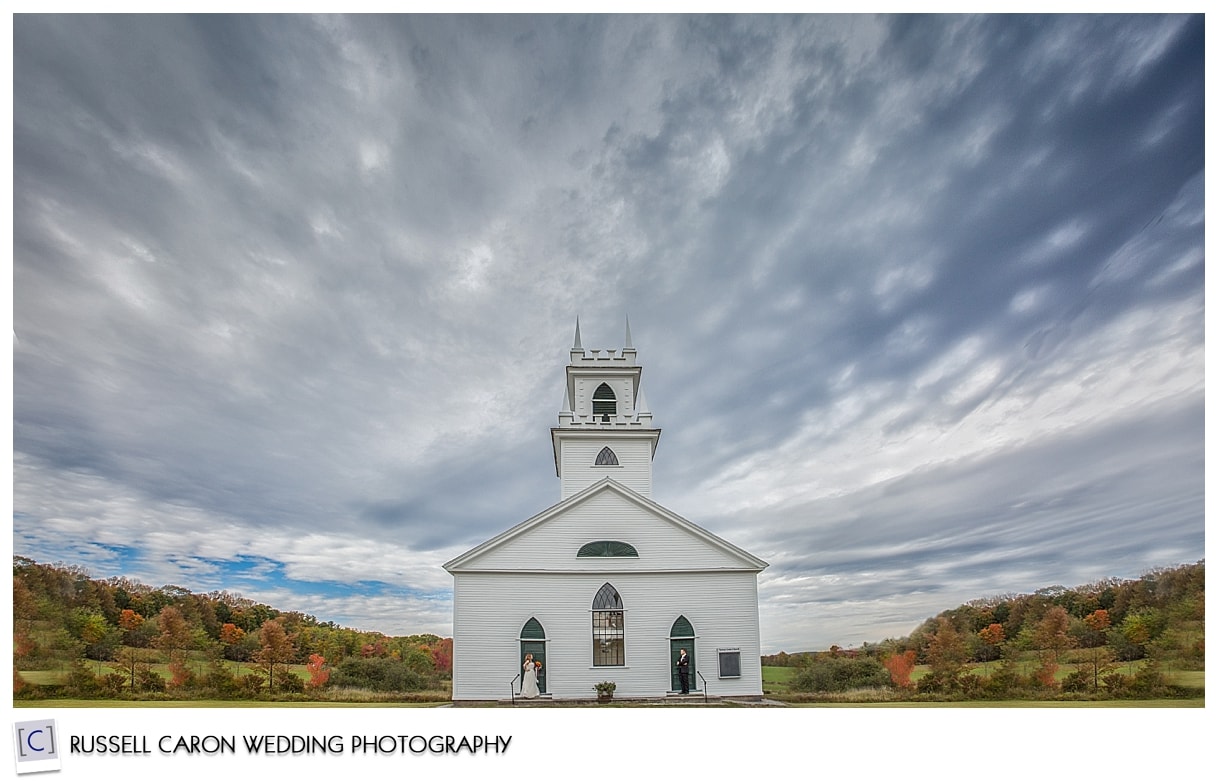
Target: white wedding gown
(528, 687)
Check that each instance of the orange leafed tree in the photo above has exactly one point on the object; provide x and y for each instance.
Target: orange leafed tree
(1098, 654)
(277, 650)
(1050, 637)
(180, 674)
(900, 666)
(319, 674)
(129, 620)
(175, 631)
(231, 634)
(1098, 620)
(992, 635)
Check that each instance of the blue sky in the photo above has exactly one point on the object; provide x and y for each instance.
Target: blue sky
(919, 300)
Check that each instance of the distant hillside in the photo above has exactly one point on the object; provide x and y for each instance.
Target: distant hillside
(1115, 639)
(1160, 614)
(62, 616)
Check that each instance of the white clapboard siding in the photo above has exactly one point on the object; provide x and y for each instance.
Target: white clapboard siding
(579, 468)
(606, 511)
(491, 609)
(607, 516)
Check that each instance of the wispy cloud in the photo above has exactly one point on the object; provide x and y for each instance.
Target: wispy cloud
(919, 300)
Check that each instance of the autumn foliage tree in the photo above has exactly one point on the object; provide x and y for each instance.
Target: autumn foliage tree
(947, 656)
(1094, 640)
(130, 622)
(133, 663)
(442, 655)
(319, 674)
(1051, 637)
(174, 639)
(230, 634)
(276, 652)
(991, 637)
(175, 632)
(900, 667)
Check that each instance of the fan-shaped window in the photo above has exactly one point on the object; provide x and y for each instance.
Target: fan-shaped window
(607, 548)
(606, 458)
(604, 402)
(608, 628)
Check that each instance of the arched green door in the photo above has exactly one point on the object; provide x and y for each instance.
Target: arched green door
(533, 641)
(681, 636)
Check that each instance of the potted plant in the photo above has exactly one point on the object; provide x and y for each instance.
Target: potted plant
(604, 691)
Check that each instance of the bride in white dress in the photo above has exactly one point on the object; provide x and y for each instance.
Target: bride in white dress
(528, 685)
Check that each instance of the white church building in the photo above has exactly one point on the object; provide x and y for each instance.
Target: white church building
(606, 585)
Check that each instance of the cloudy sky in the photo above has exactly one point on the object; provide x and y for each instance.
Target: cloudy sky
(919, 301)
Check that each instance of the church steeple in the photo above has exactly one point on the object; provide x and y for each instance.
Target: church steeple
(603, 409)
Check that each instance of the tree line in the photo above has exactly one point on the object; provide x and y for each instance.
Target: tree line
(1053, 641)
(168, 640)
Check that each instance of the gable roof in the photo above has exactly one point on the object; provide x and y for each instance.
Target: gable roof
(606, 486)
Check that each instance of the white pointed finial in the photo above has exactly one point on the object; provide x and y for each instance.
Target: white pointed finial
(577, 345)
(629, 341)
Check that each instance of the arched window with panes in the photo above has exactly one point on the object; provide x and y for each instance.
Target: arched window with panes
(608, 628)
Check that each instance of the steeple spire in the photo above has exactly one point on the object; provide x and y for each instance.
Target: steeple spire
(603, 409)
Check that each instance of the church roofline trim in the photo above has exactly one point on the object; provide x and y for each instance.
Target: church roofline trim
(749, 561)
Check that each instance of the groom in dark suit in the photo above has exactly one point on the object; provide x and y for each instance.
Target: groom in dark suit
(683, 672)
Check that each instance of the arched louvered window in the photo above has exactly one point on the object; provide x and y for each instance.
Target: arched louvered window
(608, 628)
(681, 628)
(604, 403)
(607, 548)
(606, 458)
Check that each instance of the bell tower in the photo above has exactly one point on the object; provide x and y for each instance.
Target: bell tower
(604, 427)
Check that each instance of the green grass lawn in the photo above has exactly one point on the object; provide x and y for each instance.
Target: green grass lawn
(100, 668)
(77, 703)
(1162, 703)
(776, 679)
(1195, 679)
(776, 682)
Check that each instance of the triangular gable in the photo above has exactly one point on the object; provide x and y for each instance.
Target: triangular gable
(607, 495)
